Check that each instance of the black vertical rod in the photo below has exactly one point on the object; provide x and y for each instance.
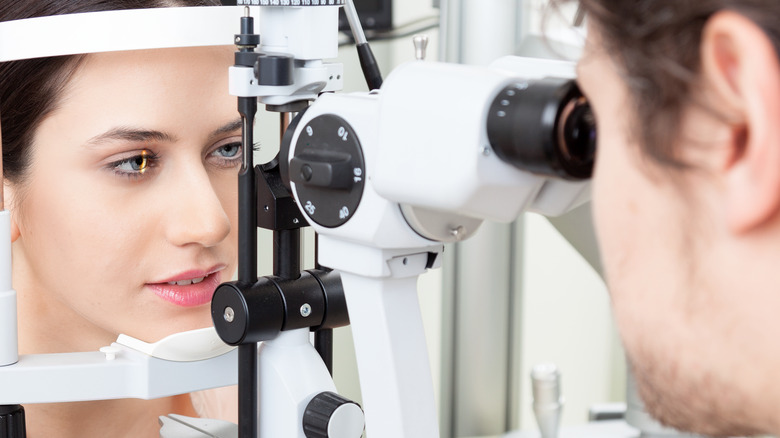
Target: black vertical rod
(247, 269)
(287, 243)
(287, 254)
(323, 342)
(323, 338)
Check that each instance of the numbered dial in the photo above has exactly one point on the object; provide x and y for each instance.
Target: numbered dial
(288, 2)
(328, 170)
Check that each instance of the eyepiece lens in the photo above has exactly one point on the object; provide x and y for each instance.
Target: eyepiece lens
(546, 127)
(579, 134)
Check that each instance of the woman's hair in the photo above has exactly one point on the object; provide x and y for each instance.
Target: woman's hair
(656, 44)
(30, 89)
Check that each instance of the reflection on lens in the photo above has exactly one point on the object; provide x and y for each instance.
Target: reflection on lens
(577, 132)
(544, 127)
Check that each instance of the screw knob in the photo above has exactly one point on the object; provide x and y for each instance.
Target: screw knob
(420, 46)
(330, 415)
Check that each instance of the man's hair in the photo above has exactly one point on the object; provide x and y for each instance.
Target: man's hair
(656, 44)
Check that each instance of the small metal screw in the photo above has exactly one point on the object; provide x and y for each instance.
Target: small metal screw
(305, 310)
(458, 232)
(229, 315)
(266, 208)
(485, 150)
(238, 39)
(295, 221)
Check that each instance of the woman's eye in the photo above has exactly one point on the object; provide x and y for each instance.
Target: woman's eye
(136, 165)
(228, 154)
(229, 150)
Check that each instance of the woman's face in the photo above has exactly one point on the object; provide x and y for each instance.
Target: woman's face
(128, 215)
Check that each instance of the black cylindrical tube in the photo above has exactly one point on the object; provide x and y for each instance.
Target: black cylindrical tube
(247, 391)
(544, 127)
(247, 25)
(247, 196)
(287, 254)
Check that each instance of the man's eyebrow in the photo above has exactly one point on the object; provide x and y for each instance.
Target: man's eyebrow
(124, 133)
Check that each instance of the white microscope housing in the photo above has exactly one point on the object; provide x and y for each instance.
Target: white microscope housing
(387, 177)
(429, 171)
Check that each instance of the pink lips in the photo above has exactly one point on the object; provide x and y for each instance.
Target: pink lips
(189, 295)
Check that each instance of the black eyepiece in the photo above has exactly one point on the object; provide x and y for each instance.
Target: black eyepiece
(545, 127)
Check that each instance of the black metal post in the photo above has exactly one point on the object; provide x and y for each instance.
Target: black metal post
(323, 342)
(247, 269)
(287, 254)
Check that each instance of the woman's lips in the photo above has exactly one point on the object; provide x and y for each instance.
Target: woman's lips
(188, 290)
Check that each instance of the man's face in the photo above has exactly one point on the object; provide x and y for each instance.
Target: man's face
(693, 324)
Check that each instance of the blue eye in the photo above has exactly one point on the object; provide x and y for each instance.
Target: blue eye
(229, 150)
(228, 155)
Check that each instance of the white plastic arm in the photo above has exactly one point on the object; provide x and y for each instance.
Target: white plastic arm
(118, 372)
(392, 358)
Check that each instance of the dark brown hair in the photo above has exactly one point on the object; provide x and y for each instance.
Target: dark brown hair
(656, 43)
(29, 89)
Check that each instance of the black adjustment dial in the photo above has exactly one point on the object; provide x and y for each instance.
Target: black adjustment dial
(328, 170)
(12, 423)
(329, 415)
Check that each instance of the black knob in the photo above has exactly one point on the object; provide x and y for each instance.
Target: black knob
(12, 424)
(275, 69)
(324, 169)
(330, 415)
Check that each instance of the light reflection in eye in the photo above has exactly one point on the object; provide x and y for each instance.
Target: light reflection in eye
(142, 162)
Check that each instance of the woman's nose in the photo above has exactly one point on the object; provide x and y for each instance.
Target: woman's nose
(196, 214)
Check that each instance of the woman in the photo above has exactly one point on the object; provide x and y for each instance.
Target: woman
(687, 201)
(121, 178)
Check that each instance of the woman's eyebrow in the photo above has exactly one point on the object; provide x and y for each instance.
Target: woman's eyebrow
(124, 133)
(227, 128)
(140, 135)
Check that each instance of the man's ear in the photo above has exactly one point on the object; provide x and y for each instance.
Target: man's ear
(740, 66)
(9, 201)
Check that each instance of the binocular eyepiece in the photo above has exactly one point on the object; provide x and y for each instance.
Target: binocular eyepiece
(545, 127)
